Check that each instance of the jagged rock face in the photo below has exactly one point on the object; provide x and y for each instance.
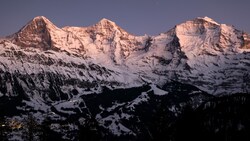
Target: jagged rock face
(106, 39)
(35, 34)
(43, 34)
(212, 50)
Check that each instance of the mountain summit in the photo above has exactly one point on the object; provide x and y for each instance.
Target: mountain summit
(207, 19)
(105, 22)
(39, 22)
(36, 33)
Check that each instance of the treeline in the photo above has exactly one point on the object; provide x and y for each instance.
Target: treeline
(225, 118)
(27, 129)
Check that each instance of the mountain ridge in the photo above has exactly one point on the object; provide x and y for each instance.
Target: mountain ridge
(181, 54)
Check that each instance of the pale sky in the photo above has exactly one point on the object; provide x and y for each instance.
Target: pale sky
(138, 17)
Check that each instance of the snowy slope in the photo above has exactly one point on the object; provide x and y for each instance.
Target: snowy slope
(201, 52)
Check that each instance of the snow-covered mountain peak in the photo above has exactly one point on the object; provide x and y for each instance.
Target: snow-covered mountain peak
(207, 19)
(206, 33)
(41, 18)
(35, 33)
(105, 21)
(198, 25)
(196, 31)
(38, 23)
(108, 27)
